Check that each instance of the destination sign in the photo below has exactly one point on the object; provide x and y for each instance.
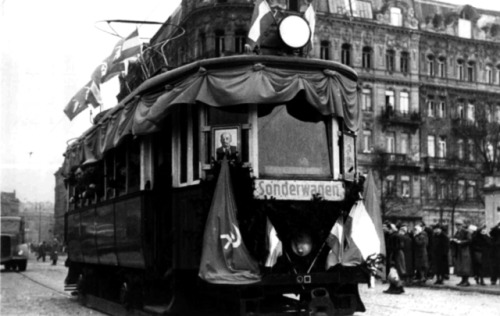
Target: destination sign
(298, 190)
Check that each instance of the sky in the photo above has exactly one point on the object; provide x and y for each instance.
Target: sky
(48, 51)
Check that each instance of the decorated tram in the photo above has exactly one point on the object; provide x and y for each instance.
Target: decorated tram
(226, 186)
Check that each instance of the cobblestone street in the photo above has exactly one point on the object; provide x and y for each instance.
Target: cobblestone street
(40, 291)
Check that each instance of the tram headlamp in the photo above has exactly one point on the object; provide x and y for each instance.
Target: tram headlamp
(20, 253)
(302, 245)
(294, 31)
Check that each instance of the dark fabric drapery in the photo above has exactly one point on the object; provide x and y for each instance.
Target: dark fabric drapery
(327, 88)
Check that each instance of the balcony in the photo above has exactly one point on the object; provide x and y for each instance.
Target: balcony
(395, 117)
(440, 163)
(399, 160)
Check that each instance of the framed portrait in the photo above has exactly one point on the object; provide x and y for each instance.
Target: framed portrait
(225, 141)
(348, 156)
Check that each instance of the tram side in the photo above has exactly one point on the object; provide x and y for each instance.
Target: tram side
(143, 189)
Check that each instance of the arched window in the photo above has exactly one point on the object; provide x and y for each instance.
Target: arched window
(489, 74)
(405, 62)
(346, 54)
(471, 71)
(220, 43)
(324, 50)
(460, 69)
(441, 71)
(239, 41)
(430, 65)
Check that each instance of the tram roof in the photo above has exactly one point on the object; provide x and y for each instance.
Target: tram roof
(329, 88)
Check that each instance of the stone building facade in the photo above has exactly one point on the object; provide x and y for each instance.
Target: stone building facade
(429, 78)
(10, 204)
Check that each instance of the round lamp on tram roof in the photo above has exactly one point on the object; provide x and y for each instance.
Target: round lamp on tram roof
(294, 31)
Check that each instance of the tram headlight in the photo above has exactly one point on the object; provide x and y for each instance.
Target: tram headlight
(294, 31)
(20, 253)
(302, 245)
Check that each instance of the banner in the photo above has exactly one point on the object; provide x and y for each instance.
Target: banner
(225, 259)
(89, 94)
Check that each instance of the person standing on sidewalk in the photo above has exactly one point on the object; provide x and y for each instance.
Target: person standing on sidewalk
(480, 245)
(495, 253)
(420, 253)
(440, 250)
(42, 248)
(461, 244)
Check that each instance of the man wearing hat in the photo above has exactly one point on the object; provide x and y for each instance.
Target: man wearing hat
(440, 249)
(461, 244)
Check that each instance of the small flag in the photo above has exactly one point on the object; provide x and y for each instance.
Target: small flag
(310, 17)
(274, 245)
(89, 94)
(225, 259)
(361, 236)
(336, 242)
(262, 18)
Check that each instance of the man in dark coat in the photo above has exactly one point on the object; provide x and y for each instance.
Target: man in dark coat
(421, 258)
(398, 255)
(495, 253)
(480, 246)
(440, 250)
(461, 244)
(408, 251)
(430, 234)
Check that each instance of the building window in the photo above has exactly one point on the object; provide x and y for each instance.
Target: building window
(405, 62)
(390, 185)
(367, 57)
(202, 44)
(471, 71)
(405, 143)
(405, 186)
(366, 99)
(471, 190)
(389, 59)
(367, 141)
(346, 54)
(464, 28)
(471, 114)
(430, 65)
(441, 109)
(498, 74)
(442, 67)
(390, 142)
(389, 100)
(461, 189)
(487, 113)
(364, 9)
(470, 145)
(442, 191)
(460, 111)
(431, 108)
(497, 114)
(460, 149)
(489, 74)
(404, 102)
(460, 69)
(432, 189)
(324, 50)
(431, 146)
(239, 42)
(396, 17)
(220, 43)
(442, 147)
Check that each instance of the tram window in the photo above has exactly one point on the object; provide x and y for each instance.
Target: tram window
(120, 170)
(186, 146)
(196, 146)
(109, 172)
(289, 146)
(134, 167)
(184, 143)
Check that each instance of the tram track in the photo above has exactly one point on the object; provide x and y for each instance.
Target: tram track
(25, 275)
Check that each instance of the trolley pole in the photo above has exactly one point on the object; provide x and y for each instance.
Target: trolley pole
(37, 205)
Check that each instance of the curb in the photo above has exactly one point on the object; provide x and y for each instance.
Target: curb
(471, 289)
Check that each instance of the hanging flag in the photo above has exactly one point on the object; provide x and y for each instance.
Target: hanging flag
(225, 259)
(336, 242)
(262, 18)
(114, 64)
(274, 245)
(362, 240)
(310, 17)
(89, 94)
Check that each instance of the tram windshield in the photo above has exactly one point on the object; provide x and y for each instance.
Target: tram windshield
(291, 147)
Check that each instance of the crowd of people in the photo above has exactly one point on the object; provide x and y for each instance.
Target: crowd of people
(44, 248)
(427, 253)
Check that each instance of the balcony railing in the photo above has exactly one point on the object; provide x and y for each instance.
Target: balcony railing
(401, 160)
(390, 116)
(441, 163)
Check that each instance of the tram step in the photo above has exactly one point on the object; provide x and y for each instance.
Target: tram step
(70, 287)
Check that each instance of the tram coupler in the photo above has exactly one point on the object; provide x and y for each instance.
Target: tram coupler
(321, 304)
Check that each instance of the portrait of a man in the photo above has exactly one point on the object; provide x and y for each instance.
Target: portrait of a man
(226, 143)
